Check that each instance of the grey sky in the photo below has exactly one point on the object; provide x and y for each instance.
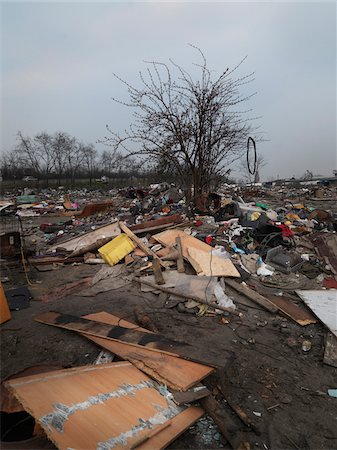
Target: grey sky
(58, 58)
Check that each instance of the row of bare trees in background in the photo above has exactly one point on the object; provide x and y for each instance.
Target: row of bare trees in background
(60, 156)
(188, 128)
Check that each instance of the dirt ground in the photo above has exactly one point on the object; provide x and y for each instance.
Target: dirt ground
(282, 389)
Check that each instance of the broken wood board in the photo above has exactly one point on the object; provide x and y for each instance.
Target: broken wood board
(192, 395)
(224, 421)
(252, 295)
(323, 304)
(49, 260)
(288, 308)
(101, 407)
(176, 372)
(330, 353)
(137, 241)
(205, 263)
(168, 238)
(154, 225)
(89, 241)
(134, 337)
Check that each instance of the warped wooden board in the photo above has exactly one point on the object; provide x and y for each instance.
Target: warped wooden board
(81, 244)
(177, 373)
(168, 238)
(178, 425)
(252, 295)
(204, 263)
(99, 407)
(134, 337)
(299, 315)
(323, 304)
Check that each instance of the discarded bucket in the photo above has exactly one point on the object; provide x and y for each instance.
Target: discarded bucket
(117, 249)
(5, 314)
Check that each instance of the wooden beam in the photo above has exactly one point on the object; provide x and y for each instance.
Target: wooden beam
(180, 261)
(252, 295)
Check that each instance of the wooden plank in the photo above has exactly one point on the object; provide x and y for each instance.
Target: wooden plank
(227, 426)
(133, 337)
(137, 241)
(323, 304)
(102, 406)
(179, 424)
(157, 271)
(157, 223)
(211, 265)
(192, 395)
(177, 373)
(298, 315)
(330, 353)
(180, 260)
(252, 295)
(150, 434)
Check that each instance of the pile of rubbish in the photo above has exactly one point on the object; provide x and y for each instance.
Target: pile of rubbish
(198, 257)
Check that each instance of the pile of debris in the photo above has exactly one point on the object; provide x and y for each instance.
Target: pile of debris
(212, 259)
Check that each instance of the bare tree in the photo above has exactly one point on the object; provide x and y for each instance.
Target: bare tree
(307, 176)
(43, 147)
(28, 155)
(192, 126)
(90, 160)
(244, 171)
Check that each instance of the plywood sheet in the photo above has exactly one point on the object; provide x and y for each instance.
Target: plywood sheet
(168, 238)
(100, 407)
(134, 337)
(323, 303)
(299, 315)
(81, 244)
(204, 263)
(177, 373)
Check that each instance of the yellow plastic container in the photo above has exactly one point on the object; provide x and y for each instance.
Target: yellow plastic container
(117, 249)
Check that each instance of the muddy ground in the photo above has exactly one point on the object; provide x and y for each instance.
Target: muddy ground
(271, 375)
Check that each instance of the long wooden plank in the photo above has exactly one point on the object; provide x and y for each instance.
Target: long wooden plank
(137, 241)
(177, 373)
(133, 337)
(252, 295)
(99, 407)
(298, 315)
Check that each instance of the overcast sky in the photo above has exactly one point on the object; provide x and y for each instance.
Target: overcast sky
(57, 61)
